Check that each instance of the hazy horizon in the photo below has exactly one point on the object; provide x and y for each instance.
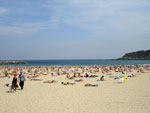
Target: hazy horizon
(73, 29)
(49, 59)
(71, 58)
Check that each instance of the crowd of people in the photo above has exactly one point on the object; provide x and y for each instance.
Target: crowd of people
(70, 72)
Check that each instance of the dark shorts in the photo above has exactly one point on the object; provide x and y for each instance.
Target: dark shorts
(14, 85)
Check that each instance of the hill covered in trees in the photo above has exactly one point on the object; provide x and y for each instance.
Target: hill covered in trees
(138, 55)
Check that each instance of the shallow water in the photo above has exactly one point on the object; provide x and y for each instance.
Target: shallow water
(85, 62)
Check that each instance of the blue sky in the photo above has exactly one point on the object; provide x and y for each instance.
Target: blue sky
(73, 29)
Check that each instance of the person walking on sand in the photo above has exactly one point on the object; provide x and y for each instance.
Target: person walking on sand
(14, 83)
(22, 79)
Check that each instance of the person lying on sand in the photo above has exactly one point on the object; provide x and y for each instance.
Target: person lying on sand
(93, 76)
(69, 77)
(67, 83)
(80, 80)
(115, 77)
(34, 79)
(53, 81)
(92, 85)
(7, 85)
(132, 75)
(109, 74)
(4, 76)
(34, 76)
(123, 72)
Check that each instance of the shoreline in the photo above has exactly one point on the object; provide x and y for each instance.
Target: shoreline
(73, 65)
(83, 62)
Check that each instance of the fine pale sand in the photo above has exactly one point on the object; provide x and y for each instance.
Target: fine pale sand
(110, 96)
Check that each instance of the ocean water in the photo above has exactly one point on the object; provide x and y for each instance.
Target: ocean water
(84, 62)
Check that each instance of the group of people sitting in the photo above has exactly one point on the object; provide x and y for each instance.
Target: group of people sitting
(74, 76)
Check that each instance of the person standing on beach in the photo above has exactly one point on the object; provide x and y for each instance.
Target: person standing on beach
(22, 79)
(14, 82)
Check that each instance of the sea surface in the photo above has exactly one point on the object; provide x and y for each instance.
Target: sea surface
(84, 62)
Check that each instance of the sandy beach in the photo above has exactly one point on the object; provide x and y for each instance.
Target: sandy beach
(68, 94)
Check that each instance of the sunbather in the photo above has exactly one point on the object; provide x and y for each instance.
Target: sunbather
(132, 75)
(80, 80)
(102, 78)
(34, 79)
(93, 85)
(67, 83)
(53, 81)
